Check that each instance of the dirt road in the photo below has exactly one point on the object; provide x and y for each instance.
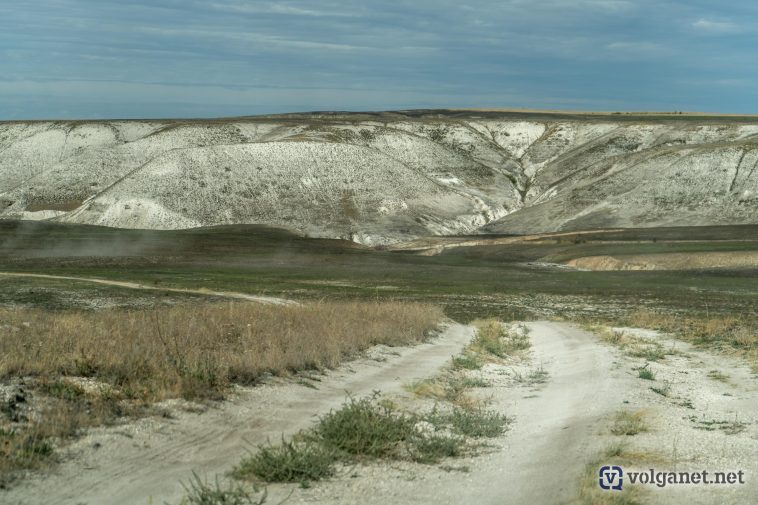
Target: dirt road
(133, 285)
(147, 460)
(561, 422)
(541, 458)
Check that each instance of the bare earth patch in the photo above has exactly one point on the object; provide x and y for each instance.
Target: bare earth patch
(668, 261)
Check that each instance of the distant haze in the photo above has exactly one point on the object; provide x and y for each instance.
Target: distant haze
(189, 58)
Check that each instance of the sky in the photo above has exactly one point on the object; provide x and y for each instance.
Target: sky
(87, 59)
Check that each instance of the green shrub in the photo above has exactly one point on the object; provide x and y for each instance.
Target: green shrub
(468, 361)
(363, 427)
(289, 462)
(646, 374)
(477, 423)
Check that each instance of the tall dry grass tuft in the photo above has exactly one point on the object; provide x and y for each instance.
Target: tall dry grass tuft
(198, 350)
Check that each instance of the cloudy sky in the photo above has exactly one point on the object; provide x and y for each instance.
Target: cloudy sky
(188, 58)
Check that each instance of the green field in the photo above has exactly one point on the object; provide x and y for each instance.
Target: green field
(510, 281)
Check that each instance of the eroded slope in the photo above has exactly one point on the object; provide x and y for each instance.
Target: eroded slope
(385, 178)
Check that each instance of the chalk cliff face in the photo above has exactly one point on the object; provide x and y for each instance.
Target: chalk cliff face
(384, 178)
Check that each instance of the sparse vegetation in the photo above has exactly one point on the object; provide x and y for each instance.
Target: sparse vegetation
(718, 376)
(28, 439)
(732, 427)
(634, 346)
(363, 428)
(664, 390)
(201, 492)
(432, 448)
(474, 382)
(493, 338)
(589, 491)
(628, 423)
(536, 376)
(22, 450)
(474, 423)
(468, 360)
(476, 282)
(646, 373)
(725, 332)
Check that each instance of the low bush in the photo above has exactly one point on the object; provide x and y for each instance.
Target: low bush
(299, 461)
(365, 428)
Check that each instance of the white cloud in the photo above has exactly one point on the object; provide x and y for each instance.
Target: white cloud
(638, 48)
(712, 26)
(279, 8)
(602, 5)
(268, 41)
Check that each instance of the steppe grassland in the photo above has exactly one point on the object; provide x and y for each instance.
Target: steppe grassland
(198, 350)
(90, 368)
(732, 333)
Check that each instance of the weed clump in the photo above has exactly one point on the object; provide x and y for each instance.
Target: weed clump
(474, 423)
(646, 373)
(450, 388)
(22, 450)
(719, 376)
(628, 423)
(299, 461)
(467, 361)
(365, 428)
(200, 492)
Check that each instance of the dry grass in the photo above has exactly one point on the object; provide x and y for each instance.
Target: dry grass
(728, 333)
(492, 338)
(493, 342)
(628, 423)
(591, 494)
(632, 345)
(191, 351)
(133, 358)
(449, 387)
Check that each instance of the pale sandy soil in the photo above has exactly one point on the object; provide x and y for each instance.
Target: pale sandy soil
(668, 261)
(559, 426)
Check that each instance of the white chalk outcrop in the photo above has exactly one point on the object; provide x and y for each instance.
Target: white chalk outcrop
(381, 180)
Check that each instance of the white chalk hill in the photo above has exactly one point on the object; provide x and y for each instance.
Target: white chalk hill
(381, 180)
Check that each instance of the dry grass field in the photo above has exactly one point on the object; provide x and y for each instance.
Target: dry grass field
(78, 369)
